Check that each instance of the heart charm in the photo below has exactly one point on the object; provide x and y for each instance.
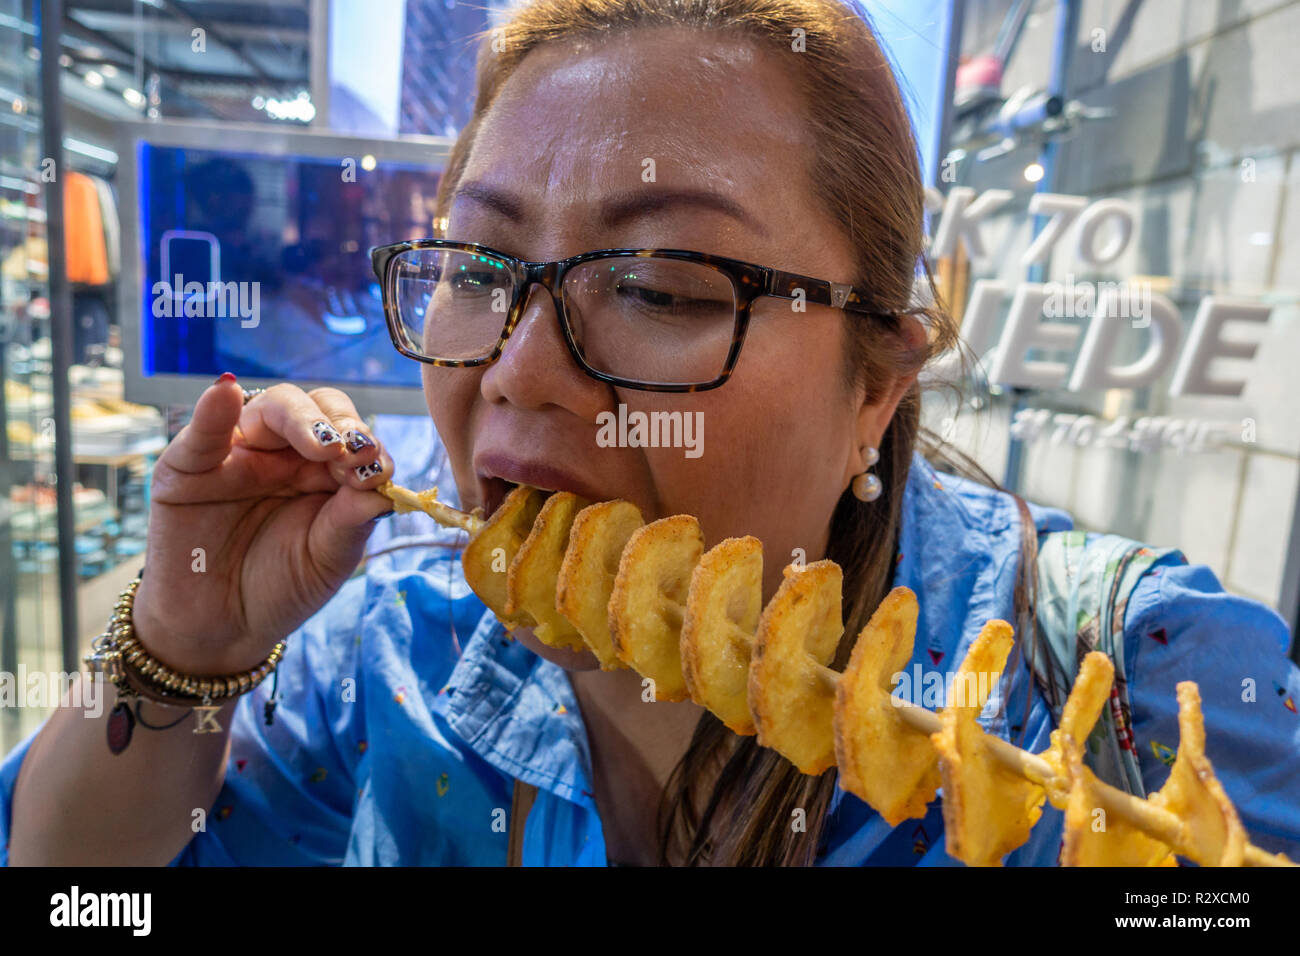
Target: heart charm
(121, 723)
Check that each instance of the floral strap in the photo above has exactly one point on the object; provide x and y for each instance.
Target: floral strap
(1083, 593)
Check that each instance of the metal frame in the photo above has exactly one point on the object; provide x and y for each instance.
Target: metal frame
(267, 140)
(1288, 601)
(956, 26)
(61, 335)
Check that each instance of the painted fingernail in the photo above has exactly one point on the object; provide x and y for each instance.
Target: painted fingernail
(325, 433)
(370, 470)
(387, 514)
(224, 377)
(358, 440)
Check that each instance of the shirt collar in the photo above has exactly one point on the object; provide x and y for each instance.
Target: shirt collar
(519, 713)
(959, 551)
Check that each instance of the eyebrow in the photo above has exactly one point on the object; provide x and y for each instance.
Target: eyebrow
(618, 208)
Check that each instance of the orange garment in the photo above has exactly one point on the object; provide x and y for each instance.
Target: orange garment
(83, 231)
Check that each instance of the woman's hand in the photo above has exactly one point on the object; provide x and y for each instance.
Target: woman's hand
(259, 513)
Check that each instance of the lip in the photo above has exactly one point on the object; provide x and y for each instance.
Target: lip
(490, 465)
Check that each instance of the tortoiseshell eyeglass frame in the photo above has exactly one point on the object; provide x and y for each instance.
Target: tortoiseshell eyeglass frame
(749, 282)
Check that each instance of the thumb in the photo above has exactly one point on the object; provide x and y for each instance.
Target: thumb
(342, 526)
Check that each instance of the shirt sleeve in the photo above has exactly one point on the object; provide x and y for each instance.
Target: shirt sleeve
(289, 792)
(1181, 625)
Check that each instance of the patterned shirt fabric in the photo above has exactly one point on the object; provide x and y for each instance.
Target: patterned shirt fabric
(405, 712)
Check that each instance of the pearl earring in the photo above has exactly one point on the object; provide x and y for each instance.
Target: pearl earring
(866, 486)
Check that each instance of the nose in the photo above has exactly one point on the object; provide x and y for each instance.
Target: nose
(536, 367)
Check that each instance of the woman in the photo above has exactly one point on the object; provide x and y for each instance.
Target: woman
(764, 131)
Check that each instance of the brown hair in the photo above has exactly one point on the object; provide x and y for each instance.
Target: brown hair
(730, 801)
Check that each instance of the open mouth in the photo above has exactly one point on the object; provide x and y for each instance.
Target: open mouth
(495, 490)
(499, 474)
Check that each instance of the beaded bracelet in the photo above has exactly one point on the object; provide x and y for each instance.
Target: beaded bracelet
(136, 673)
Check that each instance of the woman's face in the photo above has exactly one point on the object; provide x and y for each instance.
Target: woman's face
(557, 169)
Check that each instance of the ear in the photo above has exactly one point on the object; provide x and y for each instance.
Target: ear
(873, 419)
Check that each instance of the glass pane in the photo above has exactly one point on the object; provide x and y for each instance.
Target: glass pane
(1199, 203)
(451, 304)
(652, 319)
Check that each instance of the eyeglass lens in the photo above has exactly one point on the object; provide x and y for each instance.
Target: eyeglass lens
(640, 318)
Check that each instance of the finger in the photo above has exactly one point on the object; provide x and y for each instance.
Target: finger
(366, 464)
(284, 416)
(338, 535)
(205, 442)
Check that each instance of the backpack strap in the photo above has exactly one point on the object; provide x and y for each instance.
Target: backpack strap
(521, 802)
(1083, 593)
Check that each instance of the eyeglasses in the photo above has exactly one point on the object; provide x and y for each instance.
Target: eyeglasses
(661, 320)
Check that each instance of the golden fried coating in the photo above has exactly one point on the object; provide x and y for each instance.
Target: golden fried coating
(988, 810)
(791, 691)
(882, 759)
(1082, 708)
(648, 602)
(489, 554)
(1094, 837)
(722, 611)
(1212, 829)
(531, 580)
(586, 578)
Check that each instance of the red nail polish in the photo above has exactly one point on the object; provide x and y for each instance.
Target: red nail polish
(224, 377)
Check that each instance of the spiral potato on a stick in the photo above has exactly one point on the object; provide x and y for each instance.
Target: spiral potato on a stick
(650, 597)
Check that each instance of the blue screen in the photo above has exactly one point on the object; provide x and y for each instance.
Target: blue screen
(257, 264)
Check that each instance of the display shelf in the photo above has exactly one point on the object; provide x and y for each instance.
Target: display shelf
(40, 523)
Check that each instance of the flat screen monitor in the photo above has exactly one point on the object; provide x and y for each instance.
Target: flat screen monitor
(245, 250)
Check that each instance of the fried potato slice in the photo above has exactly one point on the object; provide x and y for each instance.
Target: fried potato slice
(488, 555)
(586, 578)
(531, 580)
(882, 759)
(791, 692)
(988, 810)
(1082, 709)
(1194, 793)
(648, 602)
(1099, 840)
(722, 611)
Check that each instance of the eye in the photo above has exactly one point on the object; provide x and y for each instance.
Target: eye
(668, 288)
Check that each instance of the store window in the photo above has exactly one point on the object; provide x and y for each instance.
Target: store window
(113, 67)
(167, 167)
(29, 608)
(1119, 231)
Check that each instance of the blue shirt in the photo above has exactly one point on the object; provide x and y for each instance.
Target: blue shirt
(405, 711)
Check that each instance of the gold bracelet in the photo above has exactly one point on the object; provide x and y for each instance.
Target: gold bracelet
(135, 672)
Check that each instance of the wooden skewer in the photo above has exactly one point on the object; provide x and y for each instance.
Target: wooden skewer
(1148, 817)
(407, 500)
(1152, 819)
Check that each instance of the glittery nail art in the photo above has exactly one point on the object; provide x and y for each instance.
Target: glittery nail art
(370, 470)
(325, 433)
(356, 441)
